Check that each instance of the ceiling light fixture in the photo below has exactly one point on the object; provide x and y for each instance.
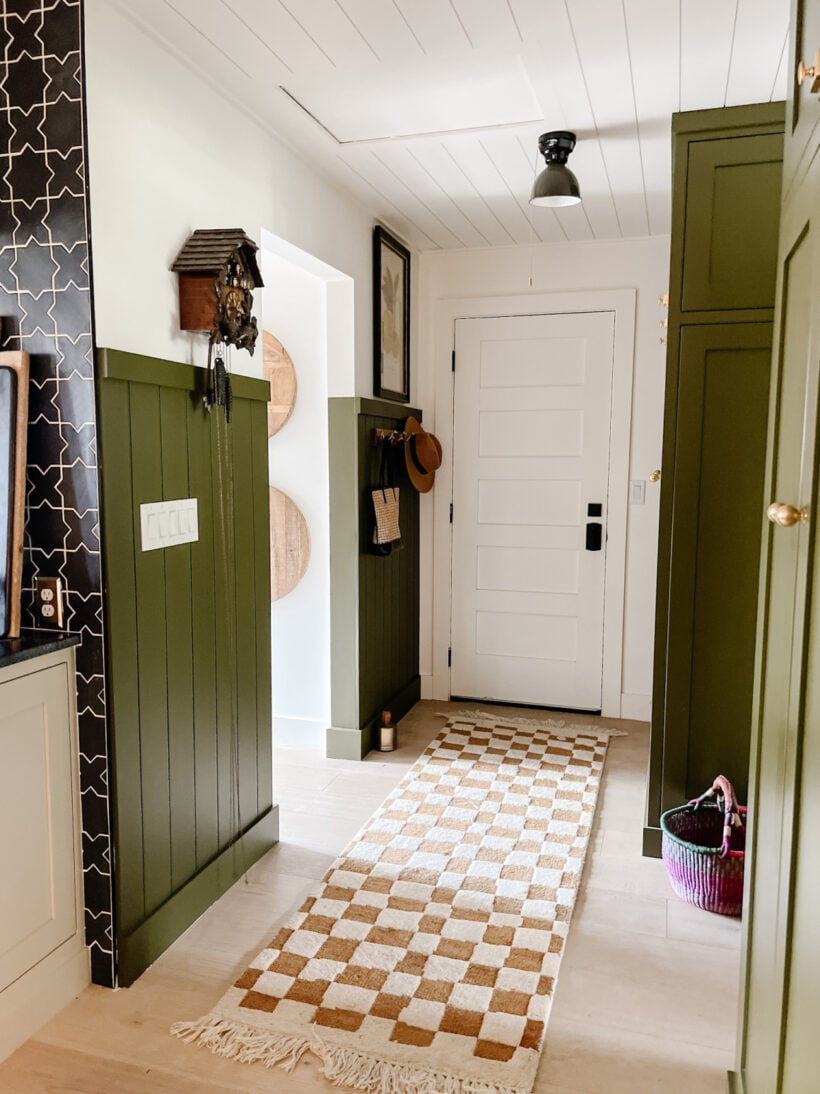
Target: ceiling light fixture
(556, 185)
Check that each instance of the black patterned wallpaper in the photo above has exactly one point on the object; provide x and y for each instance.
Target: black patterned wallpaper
(46, 310)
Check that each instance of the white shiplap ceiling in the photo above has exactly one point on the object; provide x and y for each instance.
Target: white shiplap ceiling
(430, 110)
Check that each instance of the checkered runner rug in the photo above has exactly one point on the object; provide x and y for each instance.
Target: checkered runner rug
(426, 961)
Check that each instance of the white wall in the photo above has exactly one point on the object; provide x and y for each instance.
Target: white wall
(308, 306)
(296, 313)
(168, 154)
(639, 264)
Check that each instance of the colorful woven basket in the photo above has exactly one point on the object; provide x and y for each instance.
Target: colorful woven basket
(703, 849)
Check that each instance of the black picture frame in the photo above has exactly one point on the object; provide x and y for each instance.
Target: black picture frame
(391, 317)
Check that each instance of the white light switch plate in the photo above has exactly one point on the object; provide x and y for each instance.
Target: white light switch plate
(167, 523)
(637, 491)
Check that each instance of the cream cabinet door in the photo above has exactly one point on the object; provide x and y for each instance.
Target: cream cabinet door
(38, 898)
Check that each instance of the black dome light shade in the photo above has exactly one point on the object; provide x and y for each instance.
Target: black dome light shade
(556, 185)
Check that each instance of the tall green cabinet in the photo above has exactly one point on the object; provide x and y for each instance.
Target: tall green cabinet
(725, 210)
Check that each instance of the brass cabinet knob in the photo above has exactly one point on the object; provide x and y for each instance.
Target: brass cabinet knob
(805, 73)
(786, 515)
(656, 475)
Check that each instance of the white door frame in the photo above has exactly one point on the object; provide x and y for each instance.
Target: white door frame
(622, 303)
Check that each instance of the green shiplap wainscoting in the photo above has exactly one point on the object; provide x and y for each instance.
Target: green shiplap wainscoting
(188, 647)
(374, 601)
(725, 213)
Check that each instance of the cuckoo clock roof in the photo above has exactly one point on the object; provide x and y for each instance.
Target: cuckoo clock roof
(207, 250)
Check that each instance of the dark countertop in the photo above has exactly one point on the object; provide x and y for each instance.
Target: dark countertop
(34, 644)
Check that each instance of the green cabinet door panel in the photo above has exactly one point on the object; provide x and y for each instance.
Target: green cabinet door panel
(188, 647)
(730, 243)
(722, 412)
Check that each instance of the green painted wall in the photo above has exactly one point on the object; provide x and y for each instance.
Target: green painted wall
(188, 653)
(725, 211)
(374, 600)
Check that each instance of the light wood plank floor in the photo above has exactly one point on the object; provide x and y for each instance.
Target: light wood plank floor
(645, 1001)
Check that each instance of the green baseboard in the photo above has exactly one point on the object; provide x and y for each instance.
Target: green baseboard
(143, 946)
(354, 744)
(652, 842)
(344, 744)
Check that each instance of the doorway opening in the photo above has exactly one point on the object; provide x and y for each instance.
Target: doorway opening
(308, 308)
(505, 571)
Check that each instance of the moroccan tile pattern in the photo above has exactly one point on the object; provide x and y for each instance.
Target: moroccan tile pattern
(427, 959)
(46, 310)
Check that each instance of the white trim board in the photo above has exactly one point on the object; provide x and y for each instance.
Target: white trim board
(636, 707)
(622, 303)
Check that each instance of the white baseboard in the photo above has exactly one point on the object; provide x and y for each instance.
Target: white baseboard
(636, 706)
(299, 733)
(427, 686)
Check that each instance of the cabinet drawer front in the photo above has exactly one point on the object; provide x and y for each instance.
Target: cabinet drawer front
(37, 820)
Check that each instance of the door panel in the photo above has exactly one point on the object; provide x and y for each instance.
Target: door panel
(780, 684)
(715, 554)
(730, 240)
(782, 949)
(532, 421)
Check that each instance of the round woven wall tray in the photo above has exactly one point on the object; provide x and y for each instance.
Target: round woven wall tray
(289, 544)
(277, 367)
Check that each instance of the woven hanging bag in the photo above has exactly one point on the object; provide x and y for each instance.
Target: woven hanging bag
(386, 508)
(386, 536)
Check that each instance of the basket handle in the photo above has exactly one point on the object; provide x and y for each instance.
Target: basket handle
(723, 790)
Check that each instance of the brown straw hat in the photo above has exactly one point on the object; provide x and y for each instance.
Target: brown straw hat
(422, 454)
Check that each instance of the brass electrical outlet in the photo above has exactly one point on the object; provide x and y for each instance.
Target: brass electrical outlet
(48, 602)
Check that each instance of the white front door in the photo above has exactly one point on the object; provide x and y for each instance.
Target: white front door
(530, 470)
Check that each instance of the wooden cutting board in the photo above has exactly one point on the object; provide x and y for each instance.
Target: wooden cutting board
(277, 367)
(289, 544)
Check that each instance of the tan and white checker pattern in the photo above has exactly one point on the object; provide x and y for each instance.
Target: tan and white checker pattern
(435, 939)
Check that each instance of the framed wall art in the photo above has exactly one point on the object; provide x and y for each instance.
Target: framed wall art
(391, 317)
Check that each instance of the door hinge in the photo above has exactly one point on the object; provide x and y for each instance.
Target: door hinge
(451, 512)
(450, 658)
(454, 360)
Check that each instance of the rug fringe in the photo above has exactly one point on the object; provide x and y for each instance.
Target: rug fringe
(342, 1066)
(346, 1067)
(224, 1037)
(568, 729)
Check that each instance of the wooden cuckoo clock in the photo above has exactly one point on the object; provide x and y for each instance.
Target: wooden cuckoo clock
(217, 272)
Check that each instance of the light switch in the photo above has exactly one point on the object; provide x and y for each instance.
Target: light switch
(168, 523)
(637, 492)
